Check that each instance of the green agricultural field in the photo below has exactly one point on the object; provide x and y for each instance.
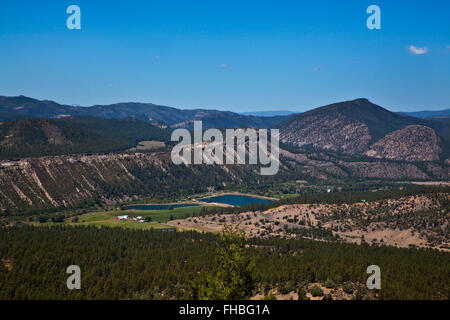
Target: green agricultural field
(109, 218)
(93, 217)
(126, 224)
(286, 196)
(163, 216)
(148, 145)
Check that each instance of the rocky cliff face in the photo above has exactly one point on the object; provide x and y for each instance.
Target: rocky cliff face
(359, 127)
(322, 166)
(68, 181)
(412, 143)
(333, 132)
(65, 181)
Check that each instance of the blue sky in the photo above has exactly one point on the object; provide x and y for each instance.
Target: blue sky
(230, 55)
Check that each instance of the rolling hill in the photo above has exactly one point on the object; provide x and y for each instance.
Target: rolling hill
(42, 137)
(15, 108)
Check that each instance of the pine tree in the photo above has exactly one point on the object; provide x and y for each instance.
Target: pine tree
(233, 278)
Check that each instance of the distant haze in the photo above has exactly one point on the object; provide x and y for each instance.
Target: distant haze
(428, 113)
(268, 113)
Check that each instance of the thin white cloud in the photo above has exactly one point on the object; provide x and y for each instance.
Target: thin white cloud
(416, 50)
(224, 65)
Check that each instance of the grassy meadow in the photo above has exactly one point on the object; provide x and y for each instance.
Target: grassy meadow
(109, 218)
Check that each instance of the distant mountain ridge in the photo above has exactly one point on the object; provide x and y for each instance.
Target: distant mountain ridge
(357, 127)
(16, 108)
(269, 113)
(428, 113)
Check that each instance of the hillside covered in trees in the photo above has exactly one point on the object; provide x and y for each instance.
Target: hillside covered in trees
(132, 264)
(45, 137)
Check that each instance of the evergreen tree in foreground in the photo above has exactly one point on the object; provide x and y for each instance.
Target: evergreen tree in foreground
(233, 278)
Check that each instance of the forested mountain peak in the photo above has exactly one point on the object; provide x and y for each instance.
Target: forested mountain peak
(14, 108)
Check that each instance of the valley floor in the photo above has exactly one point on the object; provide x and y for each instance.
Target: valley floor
(419, 221)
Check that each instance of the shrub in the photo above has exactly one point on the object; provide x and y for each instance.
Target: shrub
(316, 291)
(302, 294)
(287, 288)
(329, 283)
(348, 288)
(58, 218)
